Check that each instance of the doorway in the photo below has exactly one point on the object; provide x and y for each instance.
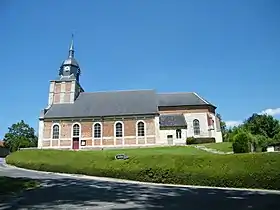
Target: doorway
(76, 143)
(170, 139)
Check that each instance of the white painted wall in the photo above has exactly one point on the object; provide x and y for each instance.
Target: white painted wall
(215, 133)
(51, 93)
(165, 133)
(40, 133)
(205, 130)
(270, 149)
(157, 131)
(202, 117)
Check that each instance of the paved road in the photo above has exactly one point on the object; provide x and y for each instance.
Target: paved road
(62, 192)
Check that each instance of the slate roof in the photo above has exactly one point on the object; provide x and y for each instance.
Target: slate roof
(114, 103)
(118, 103)
(180, 99)
(171, 120)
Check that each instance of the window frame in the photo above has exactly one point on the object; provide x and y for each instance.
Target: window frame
(196, 127)
(143, 129)
(116, 129)
(53, 133)
(94, 130)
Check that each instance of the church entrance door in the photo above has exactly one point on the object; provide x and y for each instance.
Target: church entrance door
(76, 143)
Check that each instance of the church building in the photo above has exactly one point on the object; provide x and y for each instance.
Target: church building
(75, 119)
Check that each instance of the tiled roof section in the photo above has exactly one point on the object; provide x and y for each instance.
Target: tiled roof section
(172, 120)
(113, 103)
(180, 99)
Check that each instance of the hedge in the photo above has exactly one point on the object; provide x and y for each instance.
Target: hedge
(259, 170)
(192, 140)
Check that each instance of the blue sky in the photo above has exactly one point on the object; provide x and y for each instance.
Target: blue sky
(226, 51)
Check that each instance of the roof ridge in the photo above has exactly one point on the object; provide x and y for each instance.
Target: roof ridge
(110, 91)
(205, 101)
(174, 92)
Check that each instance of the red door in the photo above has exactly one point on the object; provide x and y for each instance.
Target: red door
(76, 144)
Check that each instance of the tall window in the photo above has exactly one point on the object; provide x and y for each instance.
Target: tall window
(140, 129)
(97, 130)
(55, 134)
(76, 130)
(178, 134)
(196, 127)
(119, 130)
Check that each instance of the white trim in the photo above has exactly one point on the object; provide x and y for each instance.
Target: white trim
(101, 128)
(80, 133)
(59, 134)
(145, 131)
(201, 98)
(105, 137)
(122, 138)
(57, 147)
(198, 125)
(41, 133)
(124, 146)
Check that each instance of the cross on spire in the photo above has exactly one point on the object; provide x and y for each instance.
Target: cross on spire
(71, 49)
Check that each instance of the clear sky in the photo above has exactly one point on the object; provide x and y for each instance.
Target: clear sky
(227, 51)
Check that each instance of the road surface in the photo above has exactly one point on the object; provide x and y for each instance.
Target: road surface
(64, 192)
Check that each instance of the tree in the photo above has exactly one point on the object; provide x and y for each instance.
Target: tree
(20, 135)
(223, 126)
(234, 131)
(242, 142)
(264, 125)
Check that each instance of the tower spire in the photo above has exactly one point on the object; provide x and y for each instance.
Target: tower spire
(71, 49)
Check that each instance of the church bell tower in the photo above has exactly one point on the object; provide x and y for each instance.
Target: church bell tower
(66, 88)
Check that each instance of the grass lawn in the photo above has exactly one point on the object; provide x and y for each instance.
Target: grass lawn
(223, 146)
(176, 165)
(11, 186)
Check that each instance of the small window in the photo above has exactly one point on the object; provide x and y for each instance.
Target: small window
(97, 130)
(83, 142)
(119, 130)
(178, 134)
(55, 134)
(196, 127)
(76, 130)
(141, 129)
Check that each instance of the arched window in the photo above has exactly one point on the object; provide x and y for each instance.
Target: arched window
(55, 132)
(76, 130)
(140, 129)
(178, 134)
(97, 130)
(196, 127)
(119, 129)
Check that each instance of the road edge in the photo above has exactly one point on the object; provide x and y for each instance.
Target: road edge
(107, 179)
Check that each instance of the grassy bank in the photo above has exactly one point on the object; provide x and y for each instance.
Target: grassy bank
(177, 165)
(11, 186)
(223, 146)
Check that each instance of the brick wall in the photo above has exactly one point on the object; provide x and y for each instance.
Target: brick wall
(108, 139)
(187, 109)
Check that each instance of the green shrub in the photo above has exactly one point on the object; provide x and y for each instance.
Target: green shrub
(241, 143)
(260, 142)
(163, 165)
(192, 140)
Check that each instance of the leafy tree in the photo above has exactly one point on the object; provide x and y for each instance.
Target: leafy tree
(260, 142)
(264, 125)
(233, 131)
(241, 143)
(20, 135)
